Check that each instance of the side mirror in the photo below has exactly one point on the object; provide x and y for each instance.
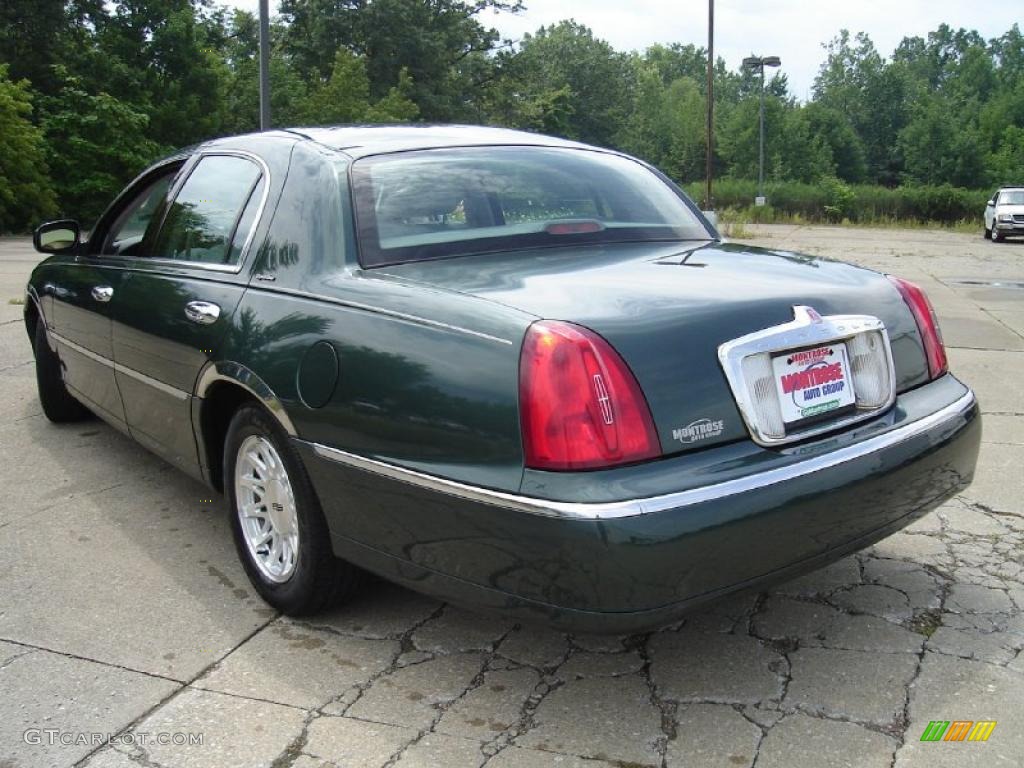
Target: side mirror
(991, 202)
(57, 236)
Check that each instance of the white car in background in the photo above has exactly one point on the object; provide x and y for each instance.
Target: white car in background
(1004, 213)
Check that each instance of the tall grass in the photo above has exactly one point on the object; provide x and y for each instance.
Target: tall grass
(834, 201)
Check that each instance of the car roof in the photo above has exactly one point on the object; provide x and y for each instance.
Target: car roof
(363, 140)
(1011, 189)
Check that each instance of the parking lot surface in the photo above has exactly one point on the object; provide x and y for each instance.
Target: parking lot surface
(124, 612)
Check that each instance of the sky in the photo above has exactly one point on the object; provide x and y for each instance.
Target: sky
(791, 29)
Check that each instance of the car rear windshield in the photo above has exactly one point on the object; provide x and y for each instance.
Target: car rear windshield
(440, 203)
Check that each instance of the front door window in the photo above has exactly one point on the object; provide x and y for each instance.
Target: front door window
(139, 218)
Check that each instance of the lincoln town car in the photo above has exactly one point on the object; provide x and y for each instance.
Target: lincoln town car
(509, 370)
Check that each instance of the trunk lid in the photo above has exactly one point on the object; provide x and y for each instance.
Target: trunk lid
(667, 308)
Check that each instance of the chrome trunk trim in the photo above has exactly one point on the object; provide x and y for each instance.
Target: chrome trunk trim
(808, 328)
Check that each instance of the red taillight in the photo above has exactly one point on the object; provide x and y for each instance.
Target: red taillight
(580, 406)
(927, 325)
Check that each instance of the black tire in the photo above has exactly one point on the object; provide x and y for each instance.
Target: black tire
(996, 236)
(988, 233)
(319, 579)
(59, 405)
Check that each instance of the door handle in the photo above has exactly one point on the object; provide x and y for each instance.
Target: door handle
(202, 312)
(102, 293)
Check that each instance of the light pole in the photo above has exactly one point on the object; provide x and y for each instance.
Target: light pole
(709, 151)
(264, 65)
(759, 63)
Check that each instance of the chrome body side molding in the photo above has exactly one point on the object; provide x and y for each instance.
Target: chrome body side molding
(179, 394)
(221, 371)
(653, 504)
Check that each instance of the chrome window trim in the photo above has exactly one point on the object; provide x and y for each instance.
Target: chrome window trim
(231, 269)
(178, 394)
(806, 329)
(225, 268)
(958, 409)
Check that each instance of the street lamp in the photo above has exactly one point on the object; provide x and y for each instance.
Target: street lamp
(264, 65)
(759, 63)
(709, 148)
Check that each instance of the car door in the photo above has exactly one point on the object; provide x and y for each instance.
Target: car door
(179, 295)
(83, 292)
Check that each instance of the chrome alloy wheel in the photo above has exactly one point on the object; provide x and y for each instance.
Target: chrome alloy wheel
(266, 509)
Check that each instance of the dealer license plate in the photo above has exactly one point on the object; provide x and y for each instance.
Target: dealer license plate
(813, 382)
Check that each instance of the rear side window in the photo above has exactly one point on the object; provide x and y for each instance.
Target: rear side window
(204, 222)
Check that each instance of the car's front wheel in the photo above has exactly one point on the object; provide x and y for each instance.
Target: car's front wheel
(59, 405)
(997, 236)
(988, 233)
(279, 528)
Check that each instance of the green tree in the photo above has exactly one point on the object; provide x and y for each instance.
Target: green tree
(1006, 164)
(25, 192)
(803, 152)
(163, 58)
(667, 126)
(345, 97)
(939, 148)
(676, 60)
(95, 144)
(738, 137)
(1008, 50)
(440, 44)
(858, 83)
(540, 109)
(30, 33)
(289, 93)
(315, 29)
(567, 58)
(35, 35)
(845, 148)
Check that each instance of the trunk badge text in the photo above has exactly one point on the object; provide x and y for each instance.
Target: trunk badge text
(701, 429)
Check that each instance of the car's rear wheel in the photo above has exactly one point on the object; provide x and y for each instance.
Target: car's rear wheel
(279, 528)
(59, 405)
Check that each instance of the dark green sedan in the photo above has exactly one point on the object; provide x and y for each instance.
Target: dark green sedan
(506, 369)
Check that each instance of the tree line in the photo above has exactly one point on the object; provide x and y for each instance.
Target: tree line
(91, 91)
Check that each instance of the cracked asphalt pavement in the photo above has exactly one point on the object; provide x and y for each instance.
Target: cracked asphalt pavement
(123, 610)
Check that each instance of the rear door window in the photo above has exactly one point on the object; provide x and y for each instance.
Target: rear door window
(203, 222)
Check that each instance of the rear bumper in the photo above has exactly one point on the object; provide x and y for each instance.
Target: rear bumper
(627, 564)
